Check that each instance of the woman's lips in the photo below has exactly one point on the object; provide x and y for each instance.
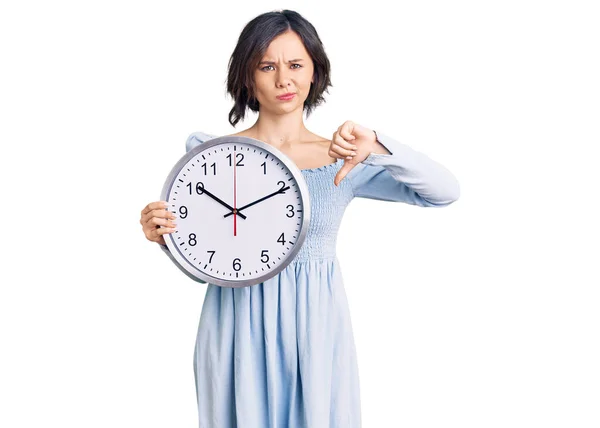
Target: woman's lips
(286, 97)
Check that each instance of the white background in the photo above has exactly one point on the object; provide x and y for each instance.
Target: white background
(480, 314)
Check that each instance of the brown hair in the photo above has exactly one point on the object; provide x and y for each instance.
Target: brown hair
(250, 48)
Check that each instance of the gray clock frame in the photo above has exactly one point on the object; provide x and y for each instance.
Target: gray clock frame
(191, 270)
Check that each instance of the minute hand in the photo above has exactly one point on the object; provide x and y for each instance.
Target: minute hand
(259, 200)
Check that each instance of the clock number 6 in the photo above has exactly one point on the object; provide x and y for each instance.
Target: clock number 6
(236, 265)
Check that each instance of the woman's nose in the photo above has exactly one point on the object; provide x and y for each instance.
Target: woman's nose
(283, 78)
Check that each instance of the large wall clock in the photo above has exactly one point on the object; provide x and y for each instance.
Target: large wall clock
(242, 211)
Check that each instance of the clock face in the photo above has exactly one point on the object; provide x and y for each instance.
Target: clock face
(241, 211)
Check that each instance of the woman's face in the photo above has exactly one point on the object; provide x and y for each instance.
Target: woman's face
(285, 67)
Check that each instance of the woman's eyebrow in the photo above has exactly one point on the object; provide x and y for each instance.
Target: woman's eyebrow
(273, 62)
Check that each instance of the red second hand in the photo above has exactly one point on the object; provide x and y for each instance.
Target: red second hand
(234, 202)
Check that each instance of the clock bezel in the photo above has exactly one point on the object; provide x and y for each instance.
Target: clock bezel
(194, 272)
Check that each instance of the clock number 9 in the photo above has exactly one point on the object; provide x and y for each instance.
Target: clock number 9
(183, 211)
(236, 264)
(199, 187)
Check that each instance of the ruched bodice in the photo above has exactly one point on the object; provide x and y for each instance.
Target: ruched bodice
(327, 205)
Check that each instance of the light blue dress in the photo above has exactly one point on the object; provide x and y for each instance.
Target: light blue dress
(281, 354)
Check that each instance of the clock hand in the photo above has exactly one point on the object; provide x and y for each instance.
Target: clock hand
(257, 201)
(234, 195)
(223, 203)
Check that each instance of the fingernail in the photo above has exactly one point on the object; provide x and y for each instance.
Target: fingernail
(353, 153)
(354, 148)
(349, 157)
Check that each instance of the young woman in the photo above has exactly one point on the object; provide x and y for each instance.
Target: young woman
(281, 353)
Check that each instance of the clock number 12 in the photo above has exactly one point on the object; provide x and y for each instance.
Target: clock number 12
(237, 155)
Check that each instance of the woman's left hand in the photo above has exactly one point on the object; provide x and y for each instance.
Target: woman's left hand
(353, 143)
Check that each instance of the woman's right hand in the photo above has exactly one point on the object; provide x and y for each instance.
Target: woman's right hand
(155, 215)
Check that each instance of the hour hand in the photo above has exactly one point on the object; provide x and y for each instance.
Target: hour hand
(223, 203)
(282, 190)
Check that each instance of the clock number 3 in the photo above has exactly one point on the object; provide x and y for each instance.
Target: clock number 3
(291, 208)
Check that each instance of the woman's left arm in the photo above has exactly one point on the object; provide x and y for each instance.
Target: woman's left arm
(386, 169)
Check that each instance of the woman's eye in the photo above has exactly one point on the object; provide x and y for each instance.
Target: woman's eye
(266, 66)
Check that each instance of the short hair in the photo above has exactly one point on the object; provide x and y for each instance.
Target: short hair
(250, 48)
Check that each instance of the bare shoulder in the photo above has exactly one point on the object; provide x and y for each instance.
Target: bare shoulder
(322, 146)
(318, 142)
(239, 134)
(314, 138)
(317, 149)
(313, 152)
